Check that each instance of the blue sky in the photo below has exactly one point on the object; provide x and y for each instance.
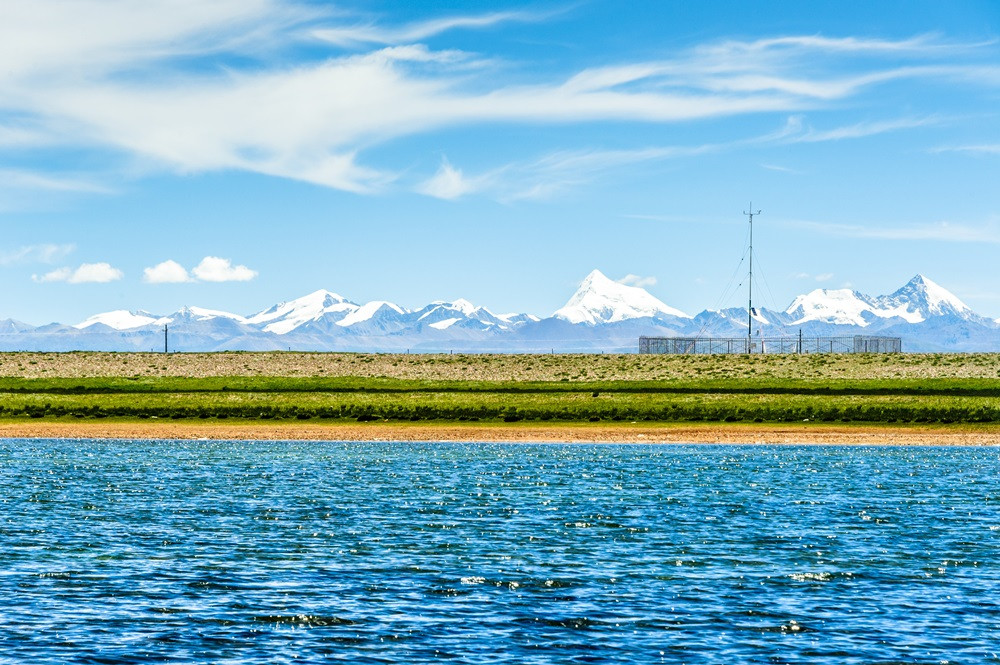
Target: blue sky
(238, 153)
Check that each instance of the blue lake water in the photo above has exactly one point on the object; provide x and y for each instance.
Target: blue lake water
(269, 552)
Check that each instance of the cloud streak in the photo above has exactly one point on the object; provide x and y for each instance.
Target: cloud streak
(372, 33)
(86, 273)
(636, 280)
(119, 78)
(943, 231)
(982, 149)
(42, 253)
(549, 175)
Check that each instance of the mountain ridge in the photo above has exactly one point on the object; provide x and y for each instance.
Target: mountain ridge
(600, 315)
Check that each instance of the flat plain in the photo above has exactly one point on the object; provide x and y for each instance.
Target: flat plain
(552, 396)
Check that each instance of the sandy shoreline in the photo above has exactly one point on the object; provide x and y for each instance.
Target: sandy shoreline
(560, 432)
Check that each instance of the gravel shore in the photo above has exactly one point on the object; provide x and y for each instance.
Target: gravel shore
(571, 432)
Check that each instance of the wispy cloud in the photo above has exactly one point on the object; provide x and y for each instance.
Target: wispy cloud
(15, 179)
(557, 172)
(822, 277)
(981, 149)
(741, 50)
(373, 33)
(450, 183)
(943, 231)
(858, 130)
(86, 273)
(672, 219)
(636, 280)
(547, 175)
(781, 169)
(117, 77)
(42, 253)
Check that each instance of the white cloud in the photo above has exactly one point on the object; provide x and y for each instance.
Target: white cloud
(210, 269)
(28, 180)
(116, 76)
(215, 269)
(375, 34)
(167, 272)
(636, 280)
(57, 275)
(96, 273)
(43, 253)
(552, 174)
(87, 273)
(546, 176)
(822, 277)
(988, 232)
(863, 129)
(449, 183)
(983, 149)
(781, 169)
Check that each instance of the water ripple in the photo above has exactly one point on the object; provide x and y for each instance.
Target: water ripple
(263, 552)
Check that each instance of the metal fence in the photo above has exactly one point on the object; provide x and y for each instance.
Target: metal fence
(708, 345)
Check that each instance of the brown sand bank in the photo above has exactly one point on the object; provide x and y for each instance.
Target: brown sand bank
(569, 432)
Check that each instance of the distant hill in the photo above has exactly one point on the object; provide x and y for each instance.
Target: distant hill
(602, 315)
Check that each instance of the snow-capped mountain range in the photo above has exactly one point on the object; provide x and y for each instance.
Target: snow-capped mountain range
(603, 315)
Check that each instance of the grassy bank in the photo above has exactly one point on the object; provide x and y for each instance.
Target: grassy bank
(510, 407)
(886, 389)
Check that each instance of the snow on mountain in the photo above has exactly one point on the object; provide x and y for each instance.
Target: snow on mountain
(923, 299)
(441, 315)
(601, 315)
(918, 300)
(444, 323)
(202, 314)
(515, 318)
(378, 314)
(842, 306)
(12, 326)
(601, 300)
(845, 307)
(461, 305)
(287, 316)
(122, 319)
(440, 310)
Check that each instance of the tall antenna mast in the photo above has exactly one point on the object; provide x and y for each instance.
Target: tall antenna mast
(164, 337)
(750, 213)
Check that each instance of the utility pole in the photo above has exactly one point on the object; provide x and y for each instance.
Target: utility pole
(164, 338)
(750, 214)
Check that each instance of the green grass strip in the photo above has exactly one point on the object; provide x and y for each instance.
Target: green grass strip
(830, 387)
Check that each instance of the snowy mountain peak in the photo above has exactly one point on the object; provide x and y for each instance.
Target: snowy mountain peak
(929, 298)
(461, 305)
(840, 306)
(602, 300)
(916, 301)
(287, 316)
(372, 311)
(203, 314)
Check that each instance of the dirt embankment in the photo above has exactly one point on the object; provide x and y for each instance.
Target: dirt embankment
(710, 433)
